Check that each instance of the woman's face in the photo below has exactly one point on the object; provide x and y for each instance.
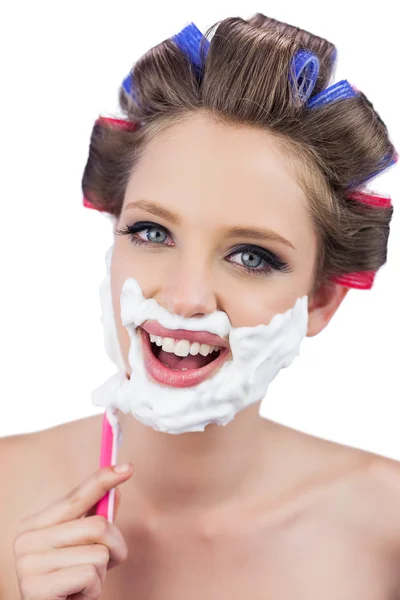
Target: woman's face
(215, 220)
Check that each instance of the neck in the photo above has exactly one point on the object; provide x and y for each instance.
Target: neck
(202, 469)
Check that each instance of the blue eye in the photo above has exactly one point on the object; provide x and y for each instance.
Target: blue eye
(145, 232)
(154, 235)
(251, 260)
(257, 261)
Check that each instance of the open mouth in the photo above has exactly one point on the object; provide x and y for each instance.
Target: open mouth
(180, 363)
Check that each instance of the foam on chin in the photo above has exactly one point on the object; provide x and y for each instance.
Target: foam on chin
(258, 354)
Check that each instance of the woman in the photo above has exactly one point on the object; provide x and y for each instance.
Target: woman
(235, 187)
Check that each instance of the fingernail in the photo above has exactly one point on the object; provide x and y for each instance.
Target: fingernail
(122, 468)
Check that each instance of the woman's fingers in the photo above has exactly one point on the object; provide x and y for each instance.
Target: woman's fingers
(94, 554)
(61, 553)
(82, 580)
(80, 532)
(75, 504)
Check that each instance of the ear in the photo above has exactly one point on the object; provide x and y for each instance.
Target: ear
(323, 304)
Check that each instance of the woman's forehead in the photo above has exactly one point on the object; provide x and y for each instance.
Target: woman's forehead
(199, 145)
(236, 174)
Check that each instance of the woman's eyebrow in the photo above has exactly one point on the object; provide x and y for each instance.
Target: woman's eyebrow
(258, 234)
(154, 209)
(248, 232)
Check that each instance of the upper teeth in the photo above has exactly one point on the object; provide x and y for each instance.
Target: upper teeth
(182, 347)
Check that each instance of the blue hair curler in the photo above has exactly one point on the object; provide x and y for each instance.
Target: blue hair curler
(128, 86)
(381, 168)
(337, 91)
(306, 69)
(190, 41)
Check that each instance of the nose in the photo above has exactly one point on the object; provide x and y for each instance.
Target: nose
(187, 289)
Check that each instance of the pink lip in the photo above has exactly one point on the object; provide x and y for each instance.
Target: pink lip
(175, 378)
(203, 337)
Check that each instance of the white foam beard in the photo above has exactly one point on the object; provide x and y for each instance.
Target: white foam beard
(258, 354)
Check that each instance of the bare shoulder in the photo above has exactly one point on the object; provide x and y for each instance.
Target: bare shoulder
(367, 505)
(381, 484)
(360, 491)
(371, 492)
(35, 470)
(381, 487)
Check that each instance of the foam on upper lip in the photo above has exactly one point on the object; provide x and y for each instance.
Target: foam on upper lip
(202, 337)
(137, 310)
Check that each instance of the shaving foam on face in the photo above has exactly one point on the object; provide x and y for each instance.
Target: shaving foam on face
(258, 354)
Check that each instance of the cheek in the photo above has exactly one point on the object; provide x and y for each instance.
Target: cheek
(118, 276)
(125, 264)
(257, 304)
(123, 336)
(131, 261)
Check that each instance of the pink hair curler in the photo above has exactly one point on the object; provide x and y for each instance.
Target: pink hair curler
(370, 198)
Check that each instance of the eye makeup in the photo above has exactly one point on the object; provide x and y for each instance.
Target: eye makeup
(269, 261)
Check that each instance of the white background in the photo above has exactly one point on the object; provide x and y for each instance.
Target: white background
(62, 63)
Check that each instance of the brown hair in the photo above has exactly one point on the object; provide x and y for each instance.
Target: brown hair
(245, 80)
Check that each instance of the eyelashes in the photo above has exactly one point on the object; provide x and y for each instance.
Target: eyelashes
(269, 259)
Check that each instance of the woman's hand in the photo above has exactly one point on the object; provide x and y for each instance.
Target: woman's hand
(61, 555)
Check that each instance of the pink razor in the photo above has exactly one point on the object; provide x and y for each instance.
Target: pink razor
(110, 441)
